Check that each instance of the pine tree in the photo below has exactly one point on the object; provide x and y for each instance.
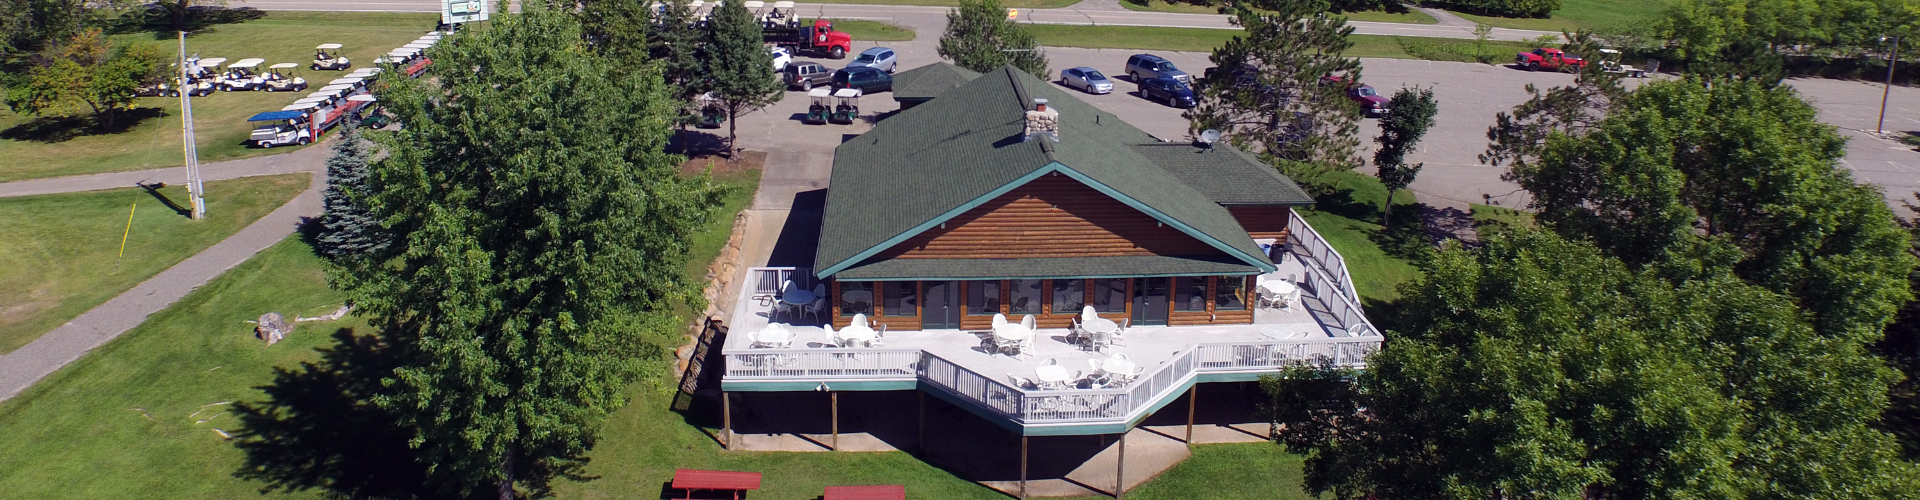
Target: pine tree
(1409, 114)
(980, 37)
(1272, 99)
(743, 79)
(677, 44)
(348, 228)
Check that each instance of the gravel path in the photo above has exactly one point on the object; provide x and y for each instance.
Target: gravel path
(47, 354)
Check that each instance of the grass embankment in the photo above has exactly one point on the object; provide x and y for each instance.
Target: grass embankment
(1349, 219)
(1409, 17)
(869, 31)
(1585, 14)
(1205, 40)
(1014, 4)
(60, 256)
(1487, 215)
(37, 149)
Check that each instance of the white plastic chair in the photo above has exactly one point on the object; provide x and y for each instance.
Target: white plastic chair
(879, 336)
(999, 320)
(1094, 363)
(859, 320)
(1020, 383)
(818, 308)
(1032, 327)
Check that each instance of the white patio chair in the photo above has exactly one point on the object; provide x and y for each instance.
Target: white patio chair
(879, 336)
(1121, 356)
(999, 320)
(1119, 336)
(859, 320)
(1094, 363)
(1020, 383)
(1032, 327)
(818, 308)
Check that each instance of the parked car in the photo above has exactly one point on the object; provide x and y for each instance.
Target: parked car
(1548, 58)
(1167, 90)
(1147, 66)
(805, 75)
(880, 58)
(868, 80)
(781, 58)
(1086, 79)
(1370, 101)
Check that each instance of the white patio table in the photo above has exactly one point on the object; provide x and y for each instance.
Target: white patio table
(774, 335)
(857, 334)
(1052, 375)
(1274, 290)
(1121, 370)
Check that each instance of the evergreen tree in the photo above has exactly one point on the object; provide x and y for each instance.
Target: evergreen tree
(348, 228)
(1409, 114)
(1272, 99)
(677, 44)
(742, 70)
(980, 37)
(543, 236)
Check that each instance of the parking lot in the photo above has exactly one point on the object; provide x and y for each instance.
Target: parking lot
(1469, 94)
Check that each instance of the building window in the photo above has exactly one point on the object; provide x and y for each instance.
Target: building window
(900, 299)
(1026, 297)
(1069, 296)
(1190, 293)
(1110, 295)
(856, 297)
(983, 298)
(1230, 293)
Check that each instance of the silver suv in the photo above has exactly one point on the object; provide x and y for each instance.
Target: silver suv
(1143, 67)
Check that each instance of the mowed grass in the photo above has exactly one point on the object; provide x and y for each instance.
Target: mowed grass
(60, 256)
(1585, 14)
(1205, 40)
(1488, 215)
(870, 31)
(1250, 471)
(220, 120)
(1410, 16)
(1347, 221)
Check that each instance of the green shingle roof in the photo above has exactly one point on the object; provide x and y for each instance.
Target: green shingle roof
(936, 160)
(1227, 175)
(1059, 267)
(928, 82)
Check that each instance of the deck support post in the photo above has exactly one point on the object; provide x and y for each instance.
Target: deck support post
(920, 441)
(836, 420)
(726, 421)
(1023, 467)
(1193, 399)
(1120, 470)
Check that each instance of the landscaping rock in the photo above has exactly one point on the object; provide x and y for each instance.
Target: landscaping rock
(273, 327)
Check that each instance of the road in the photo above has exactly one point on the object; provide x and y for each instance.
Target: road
(1087, 12)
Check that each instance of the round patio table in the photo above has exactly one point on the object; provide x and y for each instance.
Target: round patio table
(857, 334)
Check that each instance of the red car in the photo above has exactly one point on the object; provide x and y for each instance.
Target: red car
(1362, 94)
(1546, 58)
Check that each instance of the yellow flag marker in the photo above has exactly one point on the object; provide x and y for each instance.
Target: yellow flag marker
(123, 235)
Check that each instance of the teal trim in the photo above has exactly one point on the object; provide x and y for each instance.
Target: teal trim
(924, 226)
(804, 386)
(1157, 215)
(1060, 277)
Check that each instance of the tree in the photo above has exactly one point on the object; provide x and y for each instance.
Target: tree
(349, 230)
(85, 75)
(1698, 174)
(28, 26)
(1409, 114)
(541, 236)
(980, 37)
(178, 14)
(1536, 367)
(1272, 99)
(743, 78)
(676, 45)
(618, 30)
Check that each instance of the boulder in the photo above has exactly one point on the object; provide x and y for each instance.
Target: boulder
(273, 327)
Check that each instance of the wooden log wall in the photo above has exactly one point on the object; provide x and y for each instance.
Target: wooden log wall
(1054, 216)
(1263, 221)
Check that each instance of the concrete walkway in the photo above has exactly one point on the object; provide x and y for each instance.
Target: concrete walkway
(21, 368)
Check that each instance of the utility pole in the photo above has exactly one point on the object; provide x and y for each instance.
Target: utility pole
(1891, 59)
(195, 191)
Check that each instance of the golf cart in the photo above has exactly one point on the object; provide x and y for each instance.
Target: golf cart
(161, 88)
(711, 114)
(821, 107)
(281, 128)
(1610, 62)
(202, 76)
(276, 82)
(849, 107)
(241, 75)
(372, 115)
(357, 84)
(327, 57)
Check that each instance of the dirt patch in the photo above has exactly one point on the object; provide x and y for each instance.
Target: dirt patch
(747, 160)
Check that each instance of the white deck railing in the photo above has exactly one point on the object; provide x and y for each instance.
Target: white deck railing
(1315, 247)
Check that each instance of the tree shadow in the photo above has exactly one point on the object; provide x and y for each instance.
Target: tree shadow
(154, 189)
(56, 129)
(318, 428)
(691, 143)
(197, 20)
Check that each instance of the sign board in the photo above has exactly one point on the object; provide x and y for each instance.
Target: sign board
(463, 11)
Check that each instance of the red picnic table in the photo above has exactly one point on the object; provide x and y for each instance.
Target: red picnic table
(690, 479)
(883, 492)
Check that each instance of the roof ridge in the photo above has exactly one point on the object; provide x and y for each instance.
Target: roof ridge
(1020, 93)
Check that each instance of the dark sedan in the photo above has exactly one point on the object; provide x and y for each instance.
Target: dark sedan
(868, 80)
(1169, 91)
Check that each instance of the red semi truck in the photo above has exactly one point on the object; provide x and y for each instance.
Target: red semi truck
(1548, 58)
(819, 39)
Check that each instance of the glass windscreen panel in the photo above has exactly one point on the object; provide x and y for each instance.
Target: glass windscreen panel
(900, 299)
(983, 298)
(1025, 297)
(856, 297)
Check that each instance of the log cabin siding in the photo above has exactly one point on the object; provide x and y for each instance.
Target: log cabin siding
(1263, 221)
(1052, 216)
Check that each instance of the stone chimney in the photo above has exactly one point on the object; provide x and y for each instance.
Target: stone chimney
(1043, 121)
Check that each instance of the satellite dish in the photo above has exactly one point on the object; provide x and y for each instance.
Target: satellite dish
(1208, 137)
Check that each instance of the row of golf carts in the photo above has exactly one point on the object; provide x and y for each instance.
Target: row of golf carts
(343, 99)
(204, 76)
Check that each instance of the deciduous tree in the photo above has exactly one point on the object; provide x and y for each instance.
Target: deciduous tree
(85, 75)
(1409, 114)
(1270, 97)
(541, 238)
(742, 70)
(980, 37)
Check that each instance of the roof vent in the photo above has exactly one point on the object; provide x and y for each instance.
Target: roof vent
(1042, 121)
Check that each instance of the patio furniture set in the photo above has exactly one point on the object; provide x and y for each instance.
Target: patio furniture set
(857, 334)
(796, 301)
(1278, 293)
(1115, 371)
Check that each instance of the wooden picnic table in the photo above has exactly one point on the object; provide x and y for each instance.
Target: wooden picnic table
(883, 492)
(692, 479)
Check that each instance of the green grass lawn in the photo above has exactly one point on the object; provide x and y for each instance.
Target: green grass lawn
(1484, 215)
(1585, 14)
(1348, 220)
(1014, 4)
(1230, 471)
(60, 256)
(870, 31)
(1205, 40)
(220, 124)
(1410, 16)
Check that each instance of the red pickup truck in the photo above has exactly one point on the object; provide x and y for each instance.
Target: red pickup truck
(1546, 58)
